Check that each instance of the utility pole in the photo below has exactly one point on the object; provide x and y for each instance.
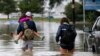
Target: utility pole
(84, 13)
(73, 11)
(84, 36)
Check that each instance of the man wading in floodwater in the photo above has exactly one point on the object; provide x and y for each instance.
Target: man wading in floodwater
(26, 31)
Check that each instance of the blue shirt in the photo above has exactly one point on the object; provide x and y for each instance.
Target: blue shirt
(31, 25)
(61, 28)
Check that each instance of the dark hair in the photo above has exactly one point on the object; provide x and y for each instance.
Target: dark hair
(64, 19)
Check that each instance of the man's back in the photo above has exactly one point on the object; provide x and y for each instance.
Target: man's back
(31, 25)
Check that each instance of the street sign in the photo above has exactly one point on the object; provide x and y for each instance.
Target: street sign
(92, 4)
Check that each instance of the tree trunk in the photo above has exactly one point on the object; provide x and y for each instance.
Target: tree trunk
(7, 16)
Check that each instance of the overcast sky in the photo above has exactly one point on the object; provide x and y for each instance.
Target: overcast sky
(61, 7)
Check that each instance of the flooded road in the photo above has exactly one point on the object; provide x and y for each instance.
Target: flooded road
(47, 47)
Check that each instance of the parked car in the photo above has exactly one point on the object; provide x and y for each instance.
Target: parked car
(92, 42)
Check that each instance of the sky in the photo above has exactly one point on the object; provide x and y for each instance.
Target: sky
(58, 9)
(90, 5)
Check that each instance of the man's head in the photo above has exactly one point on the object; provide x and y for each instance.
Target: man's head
(28, 13)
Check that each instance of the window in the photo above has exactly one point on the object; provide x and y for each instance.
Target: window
(97, 27)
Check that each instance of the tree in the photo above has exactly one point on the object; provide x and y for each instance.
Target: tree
(78, 11)
(7, 6)
(35, 6)
(91, 15)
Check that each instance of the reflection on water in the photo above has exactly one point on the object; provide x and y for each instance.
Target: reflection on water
(27, 53)
(48, 47)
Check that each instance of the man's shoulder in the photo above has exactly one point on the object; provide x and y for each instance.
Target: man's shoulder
(64, 25)
(21, 23)
(30, 21)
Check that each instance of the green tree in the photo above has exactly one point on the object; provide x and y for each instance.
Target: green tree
(91, 15)
(78, 11)
(7, 6)
(31, 5)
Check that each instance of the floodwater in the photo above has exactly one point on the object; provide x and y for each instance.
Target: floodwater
(47, 47)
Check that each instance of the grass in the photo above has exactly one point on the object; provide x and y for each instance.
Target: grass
(36, 19)
(47, 19)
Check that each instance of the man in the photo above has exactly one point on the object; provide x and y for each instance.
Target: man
(28, 43)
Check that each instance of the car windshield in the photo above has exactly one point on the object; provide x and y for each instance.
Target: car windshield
(97, 26)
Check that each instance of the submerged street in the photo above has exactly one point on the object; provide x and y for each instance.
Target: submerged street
(47, 47)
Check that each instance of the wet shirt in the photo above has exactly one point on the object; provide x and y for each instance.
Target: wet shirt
(60, 31)
(31, 25)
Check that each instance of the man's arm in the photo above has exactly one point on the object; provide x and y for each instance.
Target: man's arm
(19, 29)
(58, 34)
